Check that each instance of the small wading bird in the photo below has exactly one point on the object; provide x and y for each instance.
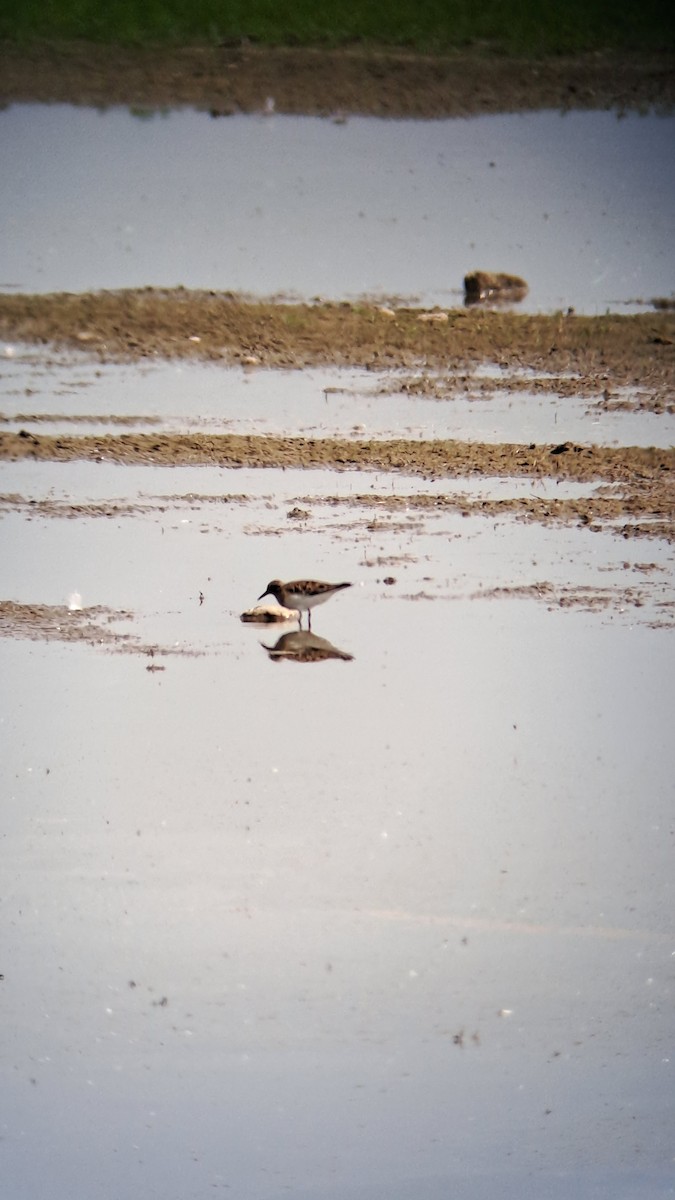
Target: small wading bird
(302, 594)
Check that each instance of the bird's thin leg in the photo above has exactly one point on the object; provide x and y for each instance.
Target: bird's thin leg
(309, 618)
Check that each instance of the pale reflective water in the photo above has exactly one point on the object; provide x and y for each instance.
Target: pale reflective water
(70, 393)
(579, 204)
(394, 927)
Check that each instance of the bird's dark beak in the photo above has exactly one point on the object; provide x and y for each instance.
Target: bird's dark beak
(263, 594)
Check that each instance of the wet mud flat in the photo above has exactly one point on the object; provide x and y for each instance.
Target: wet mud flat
(459, 350)
(645, 475)
(136, 324)
(439, 357)
(94, 626)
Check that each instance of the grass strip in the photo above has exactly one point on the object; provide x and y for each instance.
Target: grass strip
(520, 27)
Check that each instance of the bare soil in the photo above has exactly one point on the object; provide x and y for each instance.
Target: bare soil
(136, 324)
(227, 79)
(431, 459)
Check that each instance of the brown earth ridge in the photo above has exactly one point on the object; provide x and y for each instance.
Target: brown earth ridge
(242, 77)
(431, 459)
(136, 324)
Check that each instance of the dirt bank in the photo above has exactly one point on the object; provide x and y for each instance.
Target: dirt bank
(136, 324)
(244, 78)
(432, 459)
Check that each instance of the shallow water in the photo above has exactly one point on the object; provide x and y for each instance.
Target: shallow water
(310, 403)
(357, 929)
(580, 204)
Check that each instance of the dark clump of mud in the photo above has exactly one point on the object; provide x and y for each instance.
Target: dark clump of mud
(490, 285)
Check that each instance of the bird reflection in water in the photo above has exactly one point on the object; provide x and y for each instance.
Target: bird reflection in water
(306, 647)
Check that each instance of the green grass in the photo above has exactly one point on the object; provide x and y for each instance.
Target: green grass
(504, 26)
